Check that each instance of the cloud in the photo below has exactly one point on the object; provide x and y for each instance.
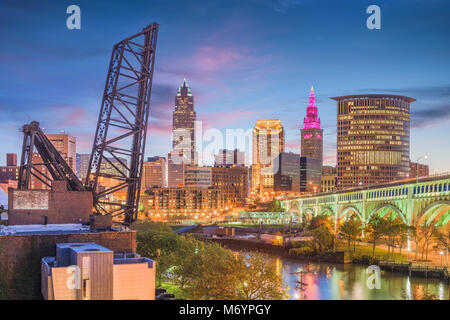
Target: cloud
(430, 116)
(432, 105)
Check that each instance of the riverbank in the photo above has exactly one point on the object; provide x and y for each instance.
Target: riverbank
(282, 251)
(340, 256)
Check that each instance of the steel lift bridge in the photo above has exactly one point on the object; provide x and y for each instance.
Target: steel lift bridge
(119, 138)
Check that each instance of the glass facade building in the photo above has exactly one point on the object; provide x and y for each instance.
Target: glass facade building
(287, 177)
(310, 175)
(372, 139)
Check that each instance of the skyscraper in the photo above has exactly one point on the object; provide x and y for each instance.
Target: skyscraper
(372, 139)
(312, 133)
(82, 165)
(184, 118)
(67, 147)
(229, 158)
(268, 142)
(287, 178)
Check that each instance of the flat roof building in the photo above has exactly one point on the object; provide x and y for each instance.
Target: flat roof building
(372, 139)
(89, 271)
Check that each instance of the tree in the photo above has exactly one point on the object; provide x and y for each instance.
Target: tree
(275, 206)
(416, 236)
(394, 227)
(376, 230)
(350, 230)
(320, 221)
(427, 231)
(323, 238)
(157, 246)
(442, 238)
(258, 278)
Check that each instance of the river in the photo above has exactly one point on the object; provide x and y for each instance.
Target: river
(325, 281)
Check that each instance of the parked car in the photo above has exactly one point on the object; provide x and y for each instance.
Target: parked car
(165, 296)
(159, 291)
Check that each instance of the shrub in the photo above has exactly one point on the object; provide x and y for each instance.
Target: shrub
(364, 259)
(302, 252)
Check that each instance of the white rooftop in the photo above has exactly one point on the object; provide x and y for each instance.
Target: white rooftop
(43, 229)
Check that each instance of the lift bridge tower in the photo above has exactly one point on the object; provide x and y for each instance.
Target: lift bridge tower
(119, 139)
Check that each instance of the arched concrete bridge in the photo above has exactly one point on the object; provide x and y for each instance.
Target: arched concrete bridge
(416, 201)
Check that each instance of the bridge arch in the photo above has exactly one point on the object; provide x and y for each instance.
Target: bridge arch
(294, 207)
(343, 212)
(307, 214)
(437, 212)
(391, 208)
(327, 211)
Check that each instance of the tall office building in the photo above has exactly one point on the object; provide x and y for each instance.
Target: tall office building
(287, 178)
(67, 147)
(372, 139)
(11, 159)
(154, 173)
(183, 124)
(268, 142)
(312, 132)
(82, 165)
(175, 169)
(310, 175)
(229, 158)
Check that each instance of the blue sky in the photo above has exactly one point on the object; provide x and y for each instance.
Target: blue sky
(244, 60)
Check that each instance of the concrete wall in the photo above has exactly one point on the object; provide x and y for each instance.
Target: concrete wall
(58, 205)
(20, 256)
(134, 281)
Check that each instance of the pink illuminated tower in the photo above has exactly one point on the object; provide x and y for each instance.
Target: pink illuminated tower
(312, 133)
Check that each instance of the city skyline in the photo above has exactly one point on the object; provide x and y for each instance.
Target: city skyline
(246, 75)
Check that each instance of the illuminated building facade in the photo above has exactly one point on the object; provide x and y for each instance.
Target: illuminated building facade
(233, 185)
(197, 177)
(268, 142)
(166, 204)
(372, 139)
(82, 165)
(183, 124)
(67, 147)
(229, 158)
(175, 169)
(329, 178)
(154, 173)
(312, 132)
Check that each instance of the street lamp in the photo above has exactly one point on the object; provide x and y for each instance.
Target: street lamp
(441, 253)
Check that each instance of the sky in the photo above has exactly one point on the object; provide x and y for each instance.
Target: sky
(244, 60)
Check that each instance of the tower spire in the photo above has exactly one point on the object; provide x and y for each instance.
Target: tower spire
(312, 119)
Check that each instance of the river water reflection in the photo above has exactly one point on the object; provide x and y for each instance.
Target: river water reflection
(325, 281)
